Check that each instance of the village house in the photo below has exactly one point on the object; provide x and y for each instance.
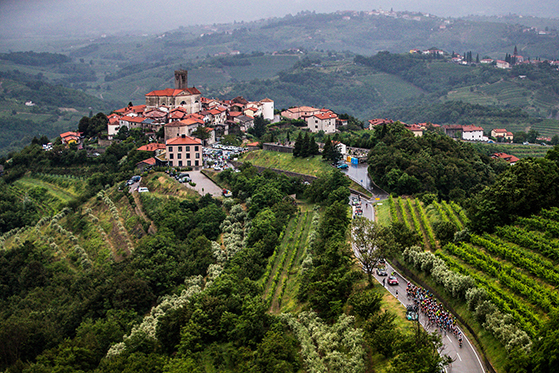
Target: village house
(473, 133)
(184, 151)
(323, 121)
(299, 112)
(379, 122)
(452, 130)
(71, 137)
(183, 127)
(511, 159)
(416, 129)
(503, 133)
(503, 64)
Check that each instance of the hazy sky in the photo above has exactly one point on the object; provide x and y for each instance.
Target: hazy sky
(28, 17)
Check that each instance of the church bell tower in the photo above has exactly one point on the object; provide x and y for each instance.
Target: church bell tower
(181, 79)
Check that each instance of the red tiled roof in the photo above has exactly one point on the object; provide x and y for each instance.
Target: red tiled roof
(379, 121)
(326, 115)
(506, 157)
(174, 92)
(70, 134)
(151, 161)
(471, 128)
(151, 147)
(186, 140)
(254, 144)
(500, 130)
(133, 119)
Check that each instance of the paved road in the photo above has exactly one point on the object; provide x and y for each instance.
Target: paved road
(465, 359)
(204, 185)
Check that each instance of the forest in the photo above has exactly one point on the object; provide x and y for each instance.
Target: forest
(254, 282)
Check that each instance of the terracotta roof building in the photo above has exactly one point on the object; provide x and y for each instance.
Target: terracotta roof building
(184, 151)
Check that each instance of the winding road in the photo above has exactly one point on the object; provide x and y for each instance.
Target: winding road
(465, 359)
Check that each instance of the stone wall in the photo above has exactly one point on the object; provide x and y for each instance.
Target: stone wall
(277, 148)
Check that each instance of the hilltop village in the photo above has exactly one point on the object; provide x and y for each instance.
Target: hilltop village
(186, 122)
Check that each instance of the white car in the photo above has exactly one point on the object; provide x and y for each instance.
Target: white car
(143, 190)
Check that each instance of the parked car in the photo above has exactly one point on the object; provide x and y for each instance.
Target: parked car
(143, 190)
(342, 166)
(381, 271)
(392, 280)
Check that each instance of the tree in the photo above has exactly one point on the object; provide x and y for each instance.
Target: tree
(297, 149)
(327, 149)
(260, 126)
(313, 147)
(367, 243)
(202, 133)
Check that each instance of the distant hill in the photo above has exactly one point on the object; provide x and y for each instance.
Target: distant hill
(307, 59)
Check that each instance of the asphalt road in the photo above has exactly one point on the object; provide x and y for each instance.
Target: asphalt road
(204, 184)
(465, 358)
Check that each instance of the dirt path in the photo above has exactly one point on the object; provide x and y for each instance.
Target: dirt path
(138, 209)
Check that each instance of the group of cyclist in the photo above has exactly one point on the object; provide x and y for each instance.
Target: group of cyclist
(436, 314)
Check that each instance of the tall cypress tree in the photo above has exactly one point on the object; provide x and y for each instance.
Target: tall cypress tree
(313, 147)
(297, 147)
(305, 147)
(327, 150)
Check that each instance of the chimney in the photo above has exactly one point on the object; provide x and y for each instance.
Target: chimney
(183, 136)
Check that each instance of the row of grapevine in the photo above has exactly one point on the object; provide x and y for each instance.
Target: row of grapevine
(450, 213)
(116, 216)
(440, 212)
(426, 224)
(402, 210)
(508, 276)
(540, 223)
(393, 212)
(460, 211)
(294, 251)
(415, 220)
(520, 257)
(507, 302)
(529, 240)
(279, 266)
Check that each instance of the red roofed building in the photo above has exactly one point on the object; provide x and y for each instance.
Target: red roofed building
(71, 137)
(323, 121)
(180, 96)
(153, 147)
(184, 151)
(417, 130)
(183, 127)
(147, 163)
(300, 112)
(511, 159)
(379, 122)
(501, 132)
(472, 133)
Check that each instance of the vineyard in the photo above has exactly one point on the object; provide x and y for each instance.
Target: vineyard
(517, 266)
(280, 278)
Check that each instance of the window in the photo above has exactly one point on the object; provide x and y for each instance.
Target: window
(188, 148)
(180, 163)
(188, 163)
(170, 149)
(196, 163)
(179, 156)
(171, 156)
(196, 148)
(197, 155)
(187, 155)
(179, 149)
